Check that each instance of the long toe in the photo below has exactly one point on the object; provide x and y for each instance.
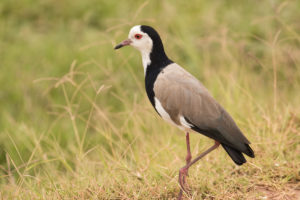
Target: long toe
(182, 178)
(179, 195)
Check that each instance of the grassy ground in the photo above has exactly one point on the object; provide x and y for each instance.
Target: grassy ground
(76, 123)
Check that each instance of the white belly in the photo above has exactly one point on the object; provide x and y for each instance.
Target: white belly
(184, 125)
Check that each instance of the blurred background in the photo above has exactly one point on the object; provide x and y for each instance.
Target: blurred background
(75, 120)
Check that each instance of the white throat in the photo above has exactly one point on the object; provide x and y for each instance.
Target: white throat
(143, 44)
(146, 60)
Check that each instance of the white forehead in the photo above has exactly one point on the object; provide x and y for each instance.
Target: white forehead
(134, 30)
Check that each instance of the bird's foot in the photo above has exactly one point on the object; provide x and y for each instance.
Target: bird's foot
(183, 173)
(180, 195)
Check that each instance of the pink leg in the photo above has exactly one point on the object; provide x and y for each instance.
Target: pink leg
(183, 172)
(188, 155)
(188, 159)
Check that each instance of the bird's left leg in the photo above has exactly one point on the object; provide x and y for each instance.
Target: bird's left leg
(188, 159)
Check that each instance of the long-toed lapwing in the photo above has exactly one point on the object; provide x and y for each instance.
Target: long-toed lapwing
(181, 99)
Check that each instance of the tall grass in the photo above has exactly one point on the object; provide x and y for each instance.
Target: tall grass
(76, 123)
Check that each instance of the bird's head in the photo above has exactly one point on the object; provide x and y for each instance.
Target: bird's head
(139, 39)
(148, 42)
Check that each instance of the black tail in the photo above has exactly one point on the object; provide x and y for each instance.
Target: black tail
(236, 155)
(249, 152)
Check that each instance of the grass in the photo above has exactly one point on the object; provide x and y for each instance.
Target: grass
(76, 123)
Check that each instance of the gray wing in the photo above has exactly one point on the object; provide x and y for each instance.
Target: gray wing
(181, 94)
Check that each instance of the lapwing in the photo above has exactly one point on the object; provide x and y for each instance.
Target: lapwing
(182, 100)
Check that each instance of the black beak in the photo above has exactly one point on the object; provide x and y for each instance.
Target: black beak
(124, 43)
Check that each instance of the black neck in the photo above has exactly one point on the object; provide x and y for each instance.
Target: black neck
(158, 56)
(159, 61)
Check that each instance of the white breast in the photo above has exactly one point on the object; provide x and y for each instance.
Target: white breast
(162, 112)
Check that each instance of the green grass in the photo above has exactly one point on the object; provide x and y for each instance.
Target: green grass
(76, 122)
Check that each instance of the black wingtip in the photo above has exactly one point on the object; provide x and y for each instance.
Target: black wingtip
(235, 155)
(249, 151)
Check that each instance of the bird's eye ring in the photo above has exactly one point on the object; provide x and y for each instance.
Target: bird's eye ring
(138, 36)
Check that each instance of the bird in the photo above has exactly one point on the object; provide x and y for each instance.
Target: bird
(183, 101)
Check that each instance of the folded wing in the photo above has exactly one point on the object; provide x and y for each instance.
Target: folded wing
(182, 95)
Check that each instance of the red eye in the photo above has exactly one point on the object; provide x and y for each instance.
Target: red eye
(138, 36)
